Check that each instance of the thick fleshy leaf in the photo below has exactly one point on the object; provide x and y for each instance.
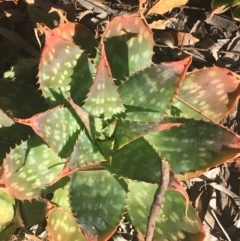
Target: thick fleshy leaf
(61, 199)
(62, 226)
(6, 208)
(212, 92)
(151, 90)
(58, 127)
(127, 131)
(5, 196)
(61, 223)
(33, 212)
(64, 70)
(103, 98)
(7, 232)
(137, 161)
(91, 123)
(98, 211)
(172, 223)
(195, 146)
(106, 147)
(30, 166)
(79, 34)
(129, 45)
(85, 152)
(109, 129)
(57, 185)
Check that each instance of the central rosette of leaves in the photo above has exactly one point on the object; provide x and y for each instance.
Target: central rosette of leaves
(114, 112)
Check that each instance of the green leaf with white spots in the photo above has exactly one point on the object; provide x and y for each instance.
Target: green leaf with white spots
(195, 146)
(30, 166)
(57, 185)
(64, 71)
(91, 123)
(98, 211)
(7, 232)
(59, 127)
(103, 98)
(61, 198)
(208, 93)
(85, 152)
(151, 90)
(6, 211)
(36, 215)
(128, 131)
(80, 35)
(172, 223)
(137, 161)
(108, 131)
(129, 45)
(106, 147)
(62, 226)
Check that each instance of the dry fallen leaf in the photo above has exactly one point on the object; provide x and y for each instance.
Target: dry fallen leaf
(162, 24)
(163, 6)
(176, 38)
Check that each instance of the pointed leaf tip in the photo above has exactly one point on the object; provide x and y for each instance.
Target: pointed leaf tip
(85, 152)
(195, 146)
(91, 123)
(150, 91)
(63, 66)
(129, 45)
(103, 98)
(28, 167)
(53, 127)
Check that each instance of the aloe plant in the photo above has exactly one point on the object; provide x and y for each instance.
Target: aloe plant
(110, 116)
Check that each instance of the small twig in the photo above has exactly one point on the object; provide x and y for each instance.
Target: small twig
(158, 200)
(225, 233)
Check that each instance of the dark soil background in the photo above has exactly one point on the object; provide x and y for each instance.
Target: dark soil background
(210, 41)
